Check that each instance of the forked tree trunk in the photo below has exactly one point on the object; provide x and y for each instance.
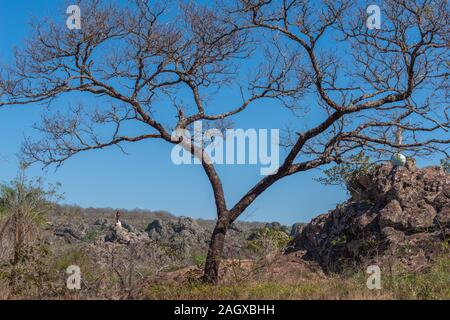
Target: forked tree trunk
(215, 252)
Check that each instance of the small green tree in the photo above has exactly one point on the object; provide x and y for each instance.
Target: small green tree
(23, 206)
(349, 173)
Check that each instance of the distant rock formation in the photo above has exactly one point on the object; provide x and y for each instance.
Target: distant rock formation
(401, 215)
(70, 232)
(296, 229)
(187, 237)
(181, 239)
(123, 235)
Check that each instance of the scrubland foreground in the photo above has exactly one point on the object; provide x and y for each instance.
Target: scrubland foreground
(397, 221)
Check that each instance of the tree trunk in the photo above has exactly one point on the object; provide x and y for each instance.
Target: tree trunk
(215, 252)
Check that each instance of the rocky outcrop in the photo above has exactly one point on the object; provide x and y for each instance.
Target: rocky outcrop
(184, 236)
(99, 232)
(71, 233)
(296, 229)
(402, 214)
(183, 240)
(188, 237)
(278, 227)
(123, 235)
(184, 227)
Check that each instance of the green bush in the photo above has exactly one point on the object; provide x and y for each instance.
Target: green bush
(348, 173)
(199, 259)
(266, 240)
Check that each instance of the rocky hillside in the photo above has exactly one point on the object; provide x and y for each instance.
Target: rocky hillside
(397, 215)
(175, 241)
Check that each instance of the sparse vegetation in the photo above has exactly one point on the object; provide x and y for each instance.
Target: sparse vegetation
(23, 257)
(342, 239)
(433, 284)
(445, 164)
(35, 267)
(199, 259)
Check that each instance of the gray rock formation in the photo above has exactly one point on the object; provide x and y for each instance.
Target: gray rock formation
(123, 235)
(70, 232)
(185, 236)
(183, 239)
(401, 215)
(296, 229)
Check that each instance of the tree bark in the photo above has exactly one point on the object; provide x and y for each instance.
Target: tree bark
(215, 252)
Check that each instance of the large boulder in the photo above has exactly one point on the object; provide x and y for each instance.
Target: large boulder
(401, 214)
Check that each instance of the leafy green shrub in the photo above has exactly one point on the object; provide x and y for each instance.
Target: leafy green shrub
(73, 256)
(24, 258)
(266, 240)
(91, 235)
(445, 164)
(349, 173)
(342, 239)
(199, 259)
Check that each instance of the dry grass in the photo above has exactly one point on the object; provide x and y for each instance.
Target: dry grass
(433, 284)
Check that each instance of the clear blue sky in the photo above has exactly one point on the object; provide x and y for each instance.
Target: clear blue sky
(146, 178)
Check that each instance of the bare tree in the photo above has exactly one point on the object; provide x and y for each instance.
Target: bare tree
(138, 59)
